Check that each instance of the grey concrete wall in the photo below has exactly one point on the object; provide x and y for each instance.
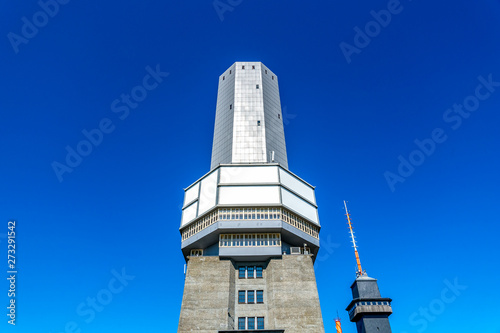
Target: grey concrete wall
(293, 295)
(208, 296)
(291, 300)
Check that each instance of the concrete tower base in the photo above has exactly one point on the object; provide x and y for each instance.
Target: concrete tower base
(290, 297)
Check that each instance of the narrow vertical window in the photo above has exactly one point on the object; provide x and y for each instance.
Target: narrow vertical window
(279, 116)
(273, 77)
(251, 323)
(241, 323)
(230, 71)
(259, 271)
(241, 274)
(223, 78)
(230, 106)
(260, 296)
(260, 323)
(258, 122)
(257, 87)
(242, 67)
(250, 297)
(266, 71)
(241, 296)
(250, 270)
(253, 67)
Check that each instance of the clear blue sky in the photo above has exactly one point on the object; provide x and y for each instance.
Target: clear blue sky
(346, 126)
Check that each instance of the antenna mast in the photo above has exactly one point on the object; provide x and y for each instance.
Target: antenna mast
(360, 271)
(338, 326)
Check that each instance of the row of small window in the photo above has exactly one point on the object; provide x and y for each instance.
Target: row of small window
(368, 303)
(250, 296)
(243, 67)
(250, 214)
(249, 323)
(372, 303)
(237, 240)
(250, 272)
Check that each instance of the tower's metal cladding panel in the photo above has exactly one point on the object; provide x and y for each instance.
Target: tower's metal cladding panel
(248, 121)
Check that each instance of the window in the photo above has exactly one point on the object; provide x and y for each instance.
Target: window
(279, 116)
(248, 323)
(266, 71)
(242, 67)
(260, 296)
(230, 106)
(241, 296)
(257, 87)
(250, 272)
(259, 271)
(251, 323)
(258, 122)
(241, 323)
(260, 323)
(273, 77)
(223, 78)
(253, 67)
(230, 71)
(250, 296)
(196, 252)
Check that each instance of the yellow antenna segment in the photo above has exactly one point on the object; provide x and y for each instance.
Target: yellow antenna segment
(359, 272)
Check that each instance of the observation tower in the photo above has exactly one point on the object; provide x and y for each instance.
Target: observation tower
(250, 227)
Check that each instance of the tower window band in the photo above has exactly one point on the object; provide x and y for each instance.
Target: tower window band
(250, 272)
(249, 214)
(248, 323)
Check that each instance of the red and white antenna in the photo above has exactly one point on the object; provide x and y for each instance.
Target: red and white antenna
(360, 271)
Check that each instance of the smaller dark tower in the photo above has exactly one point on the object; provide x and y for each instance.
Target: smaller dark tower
(368, 309)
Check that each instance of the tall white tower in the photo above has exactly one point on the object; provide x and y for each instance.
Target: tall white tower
(250, 227)
(248, 122)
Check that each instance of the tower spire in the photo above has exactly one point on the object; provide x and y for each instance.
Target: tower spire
(360, 271)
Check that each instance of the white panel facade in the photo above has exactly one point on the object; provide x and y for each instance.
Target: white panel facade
(208, 193)
(189, 214)
(300, 206)
(249, 175)
(249, 195)
(191, 194)
(297, 186)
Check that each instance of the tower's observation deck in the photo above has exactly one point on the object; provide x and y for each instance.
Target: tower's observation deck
(249, 206)
(249, 210)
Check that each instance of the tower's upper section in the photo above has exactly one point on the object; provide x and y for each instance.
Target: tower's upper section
(248, 121)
